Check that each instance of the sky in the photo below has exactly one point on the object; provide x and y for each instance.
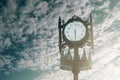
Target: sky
(29, 38)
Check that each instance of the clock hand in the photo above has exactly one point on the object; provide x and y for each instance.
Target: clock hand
(75, 33)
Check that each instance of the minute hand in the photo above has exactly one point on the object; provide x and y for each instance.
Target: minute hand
(75, 33)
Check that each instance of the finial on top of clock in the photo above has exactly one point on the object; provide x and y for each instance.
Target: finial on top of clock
(74, 17)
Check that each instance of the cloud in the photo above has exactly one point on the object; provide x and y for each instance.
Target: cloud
(29, 37)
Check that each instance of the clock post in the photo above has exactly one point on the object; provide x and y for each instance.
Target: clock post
(75, 64)
(75, 35)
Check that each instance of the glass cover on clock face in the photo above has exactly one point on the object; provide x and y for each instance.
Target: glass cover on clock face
(75, 31)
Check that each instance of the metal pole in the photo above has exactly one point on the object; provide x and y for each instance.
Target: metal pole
(75, 76)
(75, 64)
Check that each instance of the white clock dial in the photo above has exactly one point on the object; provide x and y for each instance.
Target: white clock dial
(75, 31)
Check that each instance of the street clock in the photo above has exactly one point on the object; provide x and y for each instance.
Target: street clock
(75, 31)
(75, 35)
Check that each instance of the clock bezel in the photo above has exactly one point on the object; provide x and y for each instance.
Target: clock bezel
(80, 42)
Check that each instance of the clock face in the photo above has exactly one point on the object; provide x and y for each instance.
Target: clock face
(75, 31)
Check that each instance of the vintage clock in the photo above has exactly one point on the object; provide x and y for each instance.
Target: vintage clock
(75, 31)
(74, 36)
